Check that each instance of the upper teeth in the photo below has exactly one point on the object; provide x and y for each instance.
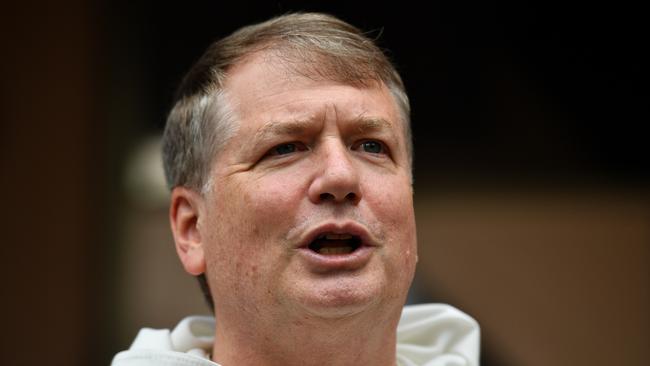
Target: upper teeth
(336, 236)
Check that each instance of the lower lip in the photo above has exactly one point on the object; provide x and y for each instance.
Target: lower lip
(321, 263)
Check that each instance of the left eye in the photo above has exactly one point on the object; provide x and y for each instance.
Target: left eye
(372, 146)
(285, 149)
(288, 148)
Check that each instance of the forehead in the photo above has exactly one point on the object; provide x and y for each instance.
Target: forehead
(264, 86)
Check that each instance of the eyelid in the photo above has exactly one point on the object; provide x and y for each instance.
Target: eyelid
(300, 146)
(361, 142)
(384, 146)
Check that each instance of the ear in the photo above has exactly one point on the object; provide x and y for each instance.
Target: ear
(184, 214)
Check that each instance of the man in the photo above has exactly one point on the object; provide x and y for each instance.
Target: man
(288, 151)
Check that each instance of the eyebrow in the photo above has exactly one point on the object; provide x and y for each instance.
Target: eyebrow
(371, 124)
(282, 128)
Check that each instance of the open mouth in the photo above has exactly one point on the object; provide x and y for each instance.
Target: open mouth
(335, 244)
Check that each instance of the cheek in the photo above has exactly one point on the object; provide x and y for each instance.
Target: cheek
(392, 207)
(272, 200)
(248, 220)
(255, 204)
(392, 204)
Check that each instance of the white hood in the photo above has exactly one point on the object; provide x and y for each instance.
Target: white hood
(427, 335)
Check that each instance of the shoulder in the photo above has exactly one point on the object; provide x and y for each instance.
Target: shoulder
(437, 334)
(188, 344)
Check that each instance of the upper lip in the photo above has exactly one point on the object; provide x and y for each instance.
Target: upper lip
(351, 228)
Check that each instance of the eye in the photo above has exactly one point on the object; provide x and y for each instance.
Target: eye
(371, 146)
(288, 148)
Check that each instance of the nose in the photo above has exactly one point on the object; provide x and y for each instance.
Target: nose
(337, 179)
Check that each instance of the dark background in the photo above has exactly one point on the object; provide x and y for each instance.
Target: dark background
(542, 98)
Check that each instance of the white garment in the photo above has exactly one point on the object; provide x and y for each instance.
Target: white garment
(427, 335)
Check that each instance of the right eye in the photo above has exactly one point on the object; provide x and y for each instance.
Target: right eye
(288, 148)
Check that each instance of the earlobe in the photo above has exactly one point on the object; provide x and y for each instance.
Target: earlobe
(184, 215)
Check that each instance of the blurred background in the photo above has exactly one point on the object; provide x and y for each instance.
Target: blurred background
(531, 171)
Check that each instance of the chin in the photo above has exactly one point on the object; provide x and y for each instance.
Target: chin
(340, 296)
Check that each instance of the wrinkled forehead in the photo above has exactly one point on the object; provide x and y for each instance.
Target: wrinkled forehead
(263, 75)
(314, 64)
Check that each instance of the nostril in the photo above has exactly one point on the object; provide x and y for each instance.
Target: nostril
(330, 197)
(326, 196)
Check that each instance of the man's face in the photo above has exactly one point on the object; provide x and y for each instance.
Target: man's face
(310, 210)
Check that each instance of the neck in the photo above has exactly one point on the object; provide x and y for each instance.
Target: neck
(362, 339)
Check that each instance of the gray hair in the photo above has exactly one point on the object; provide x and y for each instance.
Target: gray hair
(317, 46)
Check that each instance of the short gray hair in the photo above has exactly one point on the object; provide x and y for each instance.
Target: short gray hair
(318, 46)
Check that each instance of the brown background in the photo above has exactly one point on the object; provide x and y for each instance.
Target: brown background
(531, 183)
